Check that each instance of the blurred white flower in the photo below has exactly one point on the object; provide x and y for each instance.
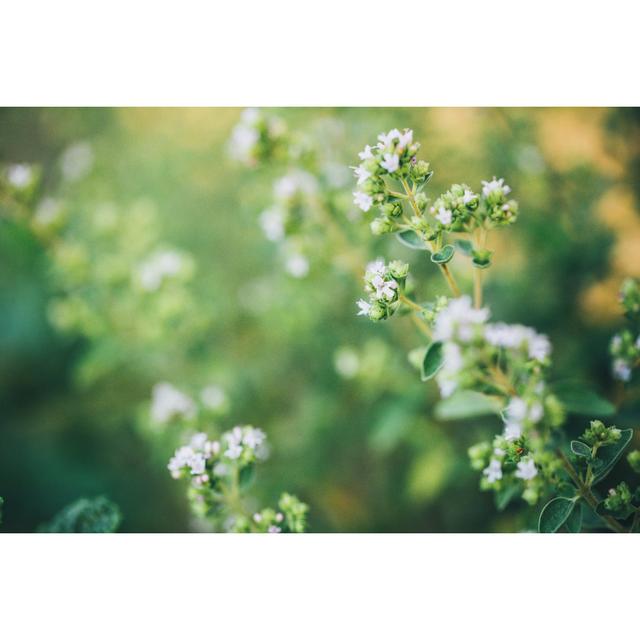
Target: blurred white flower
(494, 185)
(494, 471)
(213, 397)
(297, 265)
(526, 469)
(167, 403)
(272, 223)
(161, 265)
(20, 175)
(362, 200)
(391, 162)
(76, 161)
(444, 216)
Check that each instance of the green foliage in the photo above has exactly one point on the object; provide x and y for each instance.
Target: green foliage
(432, 362)
(554, 514)
(609, 455)
(444, 255)
(582, 401)
(86, 515)
(412, 240)
(466, 404)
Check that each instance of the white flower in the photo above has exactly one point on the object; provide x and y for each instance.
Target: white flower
(621, 370)
(243, 140)
(220, 469)
(345, 359)
(297, 265)
(377, 267)
(516, 409)
(233, 452)
(168, 402)
(512, 430)
(539, 347)
(293, 183)
(272, 223)
(250, 116)
(364, 307)
(526, 469)
(197, 464)
(493, 185)
(253, 437)
(274, 529)
(362, 200)
(468, 196)
(493, 471)
(161, 265)
(76, 161)
(366, 154)
(386, 139)
(444, 216)
(198, 441)
(362, 174)
(384, 288)
(536, 411)
(213, 397)
(257, 517)
(48, 212)
(20, 175)
(391, 162)
(405, 139)
(459, 320)
(453, 360)
(447, 387)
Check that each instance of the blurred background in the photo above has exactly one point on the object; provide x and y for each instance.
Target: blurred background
(89, 194)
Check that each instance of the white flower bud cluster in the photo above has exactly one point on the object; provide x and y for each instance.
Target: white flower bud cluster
(256, 137)
(383, 283)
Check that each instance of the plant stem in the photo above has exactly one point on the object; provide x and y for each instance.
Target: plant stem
(586, 493)
(419, 322)
(477, 288)
(443, 267)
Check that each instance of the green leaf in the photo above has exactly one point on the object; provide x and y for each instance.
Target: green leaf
(574, 521)
(465, 246)
(466, 404)
(610, 454)
(580, 449)
(582, 401)
(433, 361)
(246, 476)
(444, 255)
(94, 515)
(412, 240)
(554, 514)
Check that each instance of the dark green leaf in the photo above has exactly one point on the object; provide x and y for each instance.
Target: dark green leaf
(465, 246)
(412, 240)
(466, 404)
(611, 453)
(95, 515)
(580, 449)
(582, 401)
(574, 521)
(444, 255)
(433, 361)
(554, 514)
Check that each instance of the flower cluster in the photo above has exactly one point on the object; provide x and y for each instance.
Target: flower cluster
(161, 266)
(383, 284)
(257, 137)
(497, 208)
(625, 345)
(454, 208)
(220, 470)
(169, 404)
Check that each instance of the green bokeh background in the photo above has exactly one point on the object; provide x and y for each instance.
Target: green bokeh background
(364, 453)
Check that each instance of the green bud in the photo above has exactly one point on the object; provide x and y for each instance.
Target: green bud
(378, 311)
(392, 209)
(630, 297)
(479, 455)
(599, 434)
(618, 498)
(421, 201)
(398, 269)
(422, 169)
(634, 460)
(381, 225)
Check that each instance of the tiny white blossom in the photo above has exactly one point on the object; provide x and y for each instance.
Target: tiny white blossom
(386, 139)
(363, 200)
(366, 154)
(362, 174)
(391, 162)
(444, 216)
(493, 185)
(76, 161)
(364, 307)
(233, 452)
(274, 529)
(526, 469)
(468, 196)
(167, 403)
(272, 223)
(621, 370)
(213, 397)
(494, 471)
(405, 139)
(297, 265)
(161, 265)
(512, 430)
(20, 175)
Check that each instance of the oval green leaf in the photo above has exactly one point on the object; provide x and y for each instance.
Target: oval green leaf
(580, 449)
(412, 240)
(554, 514)
(466, 404)
(444, 255)
(433, 361)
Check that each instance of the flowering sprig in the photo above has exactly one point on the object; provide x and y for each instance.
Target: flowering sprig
(384, 285)
(625, 345)
(220, 470)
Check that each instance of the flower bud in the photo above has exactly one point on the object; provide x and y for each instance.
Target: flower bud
(398, 269)
(380, 226)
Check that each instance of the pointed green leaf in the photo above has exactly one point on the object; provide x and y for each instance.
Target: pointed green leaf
(433, 361)
(580, 449)
(444, 255)
(582, 401)
(611, 453)
(554, 514)
(466, 404)
(412, 240)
